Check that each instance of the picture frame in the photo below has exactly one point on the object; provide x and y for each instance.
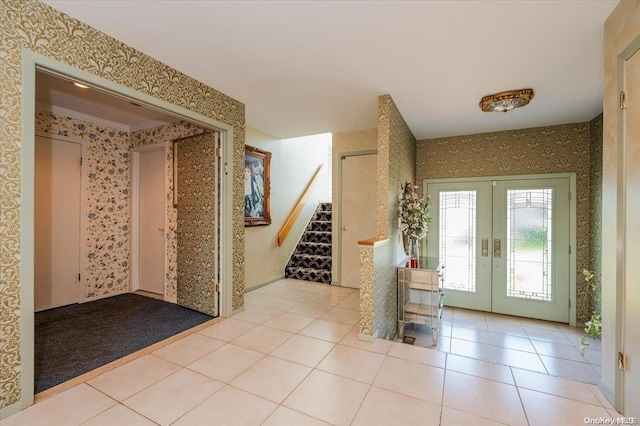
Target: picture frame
(257, 187)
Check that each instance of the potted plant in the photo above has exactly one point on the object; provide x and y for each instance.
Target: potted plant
(413, 220)
(593, 327)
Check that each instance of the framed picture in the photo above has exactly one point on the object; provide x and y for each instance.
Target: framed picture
(257, 186)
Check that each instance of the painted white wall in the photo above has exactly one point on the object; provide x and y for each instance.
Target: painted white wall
(293, 163)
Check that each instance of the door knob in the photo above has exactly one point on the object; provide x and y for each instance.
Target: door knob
(344, 228)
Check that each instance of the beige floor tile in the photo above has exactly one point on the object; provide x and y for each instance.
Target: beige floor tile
(411, 378)
(519, 359)
(326, 330)
(229, 407)
(382, 407)
(285, 293)
(352, 304)
(451, 417)
(380, 346)
(119, 415)
(492, 400)
(342, 316)
(226, 363)
(257, 314)
(228, 329)
(570, 369)
(328, 397)
(309, 309)
(613, 413)
(352, 363)
(418, 354)
(271, 302)
(544, 409)
(474, 367)
(492, 338)
(327, 299)
(558, 350)
(262, 339)
(475, 350)
(188, 349)
(129, 379)
(172, 397)
(289, 322)
(511, 328)
(536, 323)
(284, 416)
(337, 290)
(548, 335)
(303, 350)
(593, 356)
(556, 386)
(271, 378)
(603, 400)
(71, 407)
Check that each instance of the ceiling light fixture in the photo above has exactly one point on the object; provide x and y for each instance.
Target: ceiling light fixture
(80, 85)
(506, 101)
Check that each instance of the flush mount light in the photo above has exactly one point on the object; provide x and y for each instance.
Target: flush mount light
(80, 85)
(506, 101)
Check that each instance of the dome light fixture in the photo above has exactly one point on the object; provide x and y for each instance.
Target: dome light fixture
(506, 101)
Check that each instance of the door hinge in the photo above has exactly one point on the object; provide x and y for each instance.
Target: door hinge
(569, 303)
(569, 249)
(216, 288)
(623, 100)
(622, 361)
(217, 152)
(569, 195)
(78, 277)
(81, 161)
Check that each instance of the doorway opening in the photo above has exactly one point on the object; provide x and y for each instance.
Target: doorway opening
(86, 157)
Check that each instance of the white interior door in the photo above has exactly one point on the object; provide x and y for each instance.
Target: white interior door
(151, 204)
(504, 245)
(57, 222)
(357, 213)
(631, 292)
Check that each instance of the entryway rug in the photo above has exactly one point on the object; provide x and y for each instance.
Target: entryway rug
(75, 339)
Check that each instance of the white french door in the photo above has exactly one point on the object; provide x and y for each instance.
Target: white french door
(504, 245)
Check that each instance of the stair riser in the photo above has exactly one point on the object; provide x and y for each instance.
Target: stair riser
(317, 237)
(319, 226)
(315, 276)
(324, 216)
(314, 248)
(310, 262)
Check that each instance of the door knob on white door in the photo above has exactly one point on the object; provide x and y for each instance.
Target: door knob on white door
(344, 228)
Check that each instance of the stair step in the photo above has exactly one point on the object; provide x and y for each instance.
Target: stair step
(322, 216)
(319, 225)
(316, 237)
(310, 261)
(308, 274)
(319, 249)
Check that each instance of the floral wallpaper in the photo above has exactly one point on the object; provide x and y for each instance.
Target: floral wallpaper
(197, 210)
(396, 165)
(106, 167)
(595, 201)
(551, 149)
(165, 135)
(37, 27)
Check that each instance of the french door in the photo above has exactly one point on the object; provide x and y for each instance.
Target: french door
(504, 245)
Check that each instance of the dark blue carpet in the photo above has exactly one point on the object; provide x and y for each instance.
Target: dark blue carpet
(75, 339)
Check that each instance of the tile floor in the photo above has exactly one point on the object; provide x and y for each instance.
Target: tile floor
(293, 358)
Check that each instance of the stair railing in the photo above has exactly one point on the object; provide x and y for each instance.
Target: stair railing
(288, 224)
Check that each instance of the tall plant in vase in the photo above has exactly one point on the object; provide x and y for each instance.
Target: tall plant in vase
(413, 219)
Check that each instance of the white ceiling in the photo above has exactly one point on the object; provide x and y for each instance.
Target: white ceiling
(307, 67)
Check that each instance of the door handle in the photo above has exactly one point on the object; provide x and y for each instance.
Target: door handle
(485, 247)
(344, 228)
(496, 248)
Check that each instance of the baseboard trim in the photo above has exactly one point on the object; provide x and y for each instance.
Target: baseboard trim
(266, 283)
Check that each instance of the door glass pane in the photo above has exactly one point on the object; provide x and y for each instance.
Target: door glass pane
(458, 239)
(529, 243)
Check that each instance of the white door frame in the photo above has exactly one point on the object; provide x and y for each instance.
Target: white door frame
(337, 257)
(572, 222)
(80, 296)
(135, 213)
(32, 62)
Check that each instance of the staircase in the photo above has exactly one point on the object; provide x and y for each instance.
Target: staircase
(311, 260)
